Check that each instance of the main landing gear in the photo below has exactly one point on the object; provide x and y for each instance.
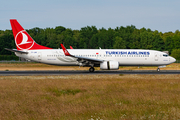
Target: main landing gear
(91, 69)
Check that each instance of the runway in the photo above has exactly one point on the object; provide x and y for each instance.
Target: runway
(83, 72)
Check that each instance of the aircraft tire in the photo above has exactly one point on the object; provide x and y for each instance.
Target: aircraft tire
(91, 69)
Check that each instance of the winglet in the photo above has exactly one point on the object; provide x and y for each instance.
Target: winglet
(71, 47)
(65, 50)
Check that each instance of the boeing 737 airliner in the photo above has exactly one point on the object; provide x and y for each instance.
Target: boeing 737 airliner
(106, 59)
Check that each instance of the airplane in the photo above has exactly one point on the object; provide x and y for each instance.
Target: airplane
(106, 59)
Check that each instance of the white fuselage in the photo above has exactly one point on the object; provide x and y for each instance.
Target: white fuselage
(125, 57)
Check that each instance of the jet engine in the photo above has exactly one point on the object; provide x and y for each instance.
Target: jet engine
(109, 65)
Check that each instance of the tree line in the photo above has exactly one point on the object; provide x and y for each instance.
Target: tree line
(90, 37)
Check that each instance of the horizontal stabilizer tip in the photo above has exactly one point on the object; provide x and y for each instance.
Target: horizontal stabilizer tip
(14, 50)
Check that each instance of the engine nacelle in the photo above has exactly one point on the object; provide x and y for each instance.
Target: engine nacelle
(109, 65)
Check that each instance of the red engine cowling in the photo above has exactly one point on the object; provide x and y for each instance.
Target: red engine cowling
(109, 65)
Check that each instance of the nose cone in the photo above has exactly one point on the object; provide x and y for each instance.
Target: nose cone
(173, 60)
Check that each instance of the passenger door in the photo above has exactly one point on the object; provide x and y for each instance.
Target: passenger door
(156, 56)
(39, 55)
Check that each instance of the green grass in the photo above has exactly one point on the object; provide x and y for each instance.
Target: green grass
(58, 92)
(121, 74)
(106, 97)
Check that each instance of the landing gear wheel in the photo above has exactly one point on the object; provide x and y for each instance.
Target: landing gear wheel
(158, 70)
(91, 69)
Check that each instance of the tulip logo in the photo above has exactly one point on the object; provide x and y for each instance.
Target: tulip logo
(23, 40)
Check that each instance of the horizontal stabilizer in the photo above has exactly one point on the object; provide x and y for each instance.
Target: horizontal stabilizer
(14, 50)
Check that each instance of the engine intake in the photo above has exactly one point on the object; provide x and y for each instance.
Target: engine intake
(109, 65)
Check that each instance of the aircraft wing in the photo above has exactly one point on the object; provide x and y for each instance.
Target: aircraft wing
(14, 50)
(88, 59)
(92, 60)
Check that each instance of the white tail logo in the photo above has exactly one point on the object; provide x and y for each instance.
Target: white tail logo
(24, 40)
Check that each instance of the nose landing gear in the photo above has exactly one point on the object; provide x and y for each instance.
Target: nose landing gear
(158, 69)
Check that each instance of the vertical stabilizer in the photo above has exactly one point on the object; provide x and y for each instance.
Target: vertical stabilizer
(22, 39)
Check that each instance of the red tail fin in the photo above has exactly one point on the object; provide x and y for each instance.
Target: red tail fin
(22, 39)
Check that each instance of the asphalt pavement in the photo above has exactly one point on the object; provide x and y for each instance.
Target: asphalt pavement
(84, 72)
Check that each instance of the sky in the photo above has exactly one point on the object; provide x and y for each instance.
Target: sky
(161, 15)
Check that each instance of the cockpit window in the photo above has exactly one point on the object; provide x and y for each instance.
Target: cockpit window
(165, 55)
